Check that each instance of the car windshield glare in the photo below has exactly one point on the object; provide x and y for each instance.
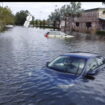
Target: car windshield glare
(73, 65)
(57, 33)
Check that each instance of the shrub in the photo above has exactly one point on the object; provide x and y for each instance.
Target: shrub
(100, 32)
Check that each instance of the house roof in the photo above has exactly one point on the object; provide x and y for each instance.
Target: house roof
(93, 9)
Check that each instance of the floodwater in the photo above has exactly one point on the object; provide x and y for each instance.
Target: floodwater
(24, 51)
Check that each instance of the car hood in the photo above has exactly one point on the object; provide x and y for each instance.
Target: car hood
(59, 75)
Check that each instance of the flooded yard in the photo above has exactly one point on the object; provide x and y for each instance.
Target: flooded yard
(24, 51)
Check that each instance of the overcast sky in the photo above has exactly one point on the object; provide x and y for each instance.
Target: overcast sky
(41, 10)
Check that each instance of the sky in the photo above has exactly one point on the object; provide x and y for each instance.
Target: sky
(41, 10)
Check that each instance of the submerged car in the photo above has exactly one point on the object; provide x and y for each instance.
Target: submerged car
(57, 34)
(76, 65)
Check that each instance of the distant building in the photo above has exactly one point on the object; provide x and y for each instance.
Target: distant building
(90, 21)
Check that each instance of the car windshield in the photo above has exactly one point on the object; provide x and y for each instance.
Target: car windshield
(56, 33)
(66, 64)
(61, 33)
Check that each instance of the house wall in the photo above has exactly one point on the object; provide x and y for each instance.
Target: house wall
(91, 16)
(87, 16)
(101, 14)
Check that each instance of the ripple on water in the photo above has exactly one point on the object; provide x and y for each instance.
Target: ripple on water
(23, 51)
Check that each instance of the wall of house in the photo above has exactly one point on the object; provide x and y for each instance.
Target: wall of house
(102, 13)
(91, 16)
(88, 16)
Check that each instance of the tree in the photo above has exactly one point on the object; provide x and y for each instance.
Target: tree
(32, 22)
(44, 23)
(40, 23)
(6, 17)
(74, 10)
(20, 17)
(36, 22)
(55, 17)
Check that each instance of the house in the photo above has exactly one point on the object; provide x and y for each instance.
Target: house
(90, 21)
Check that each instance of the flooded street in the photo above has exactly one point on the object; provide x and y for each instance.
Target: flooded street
(24, 51)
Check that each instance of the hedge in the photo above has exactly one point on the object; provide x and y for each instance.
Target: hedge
(100, 32)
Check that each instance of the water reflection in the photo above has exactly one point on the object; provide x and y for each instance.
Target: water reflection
(23, 51)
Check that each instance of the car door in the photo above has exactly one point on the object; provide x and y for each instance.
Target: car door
(92, 66)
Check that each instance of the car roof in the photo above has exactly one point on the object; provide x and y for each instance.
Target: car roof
(85, 55)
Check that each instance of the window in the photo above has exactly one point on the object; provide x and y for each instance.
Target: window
(68, 64)
(88, 24)
(92, 64)
(100, 60)
(77, 24)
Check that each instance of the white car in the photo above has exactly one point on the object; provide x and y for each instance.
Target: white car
(57, 34)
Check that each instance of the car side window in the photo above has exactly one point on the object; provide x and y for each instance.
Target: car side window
(100, 60)
(52, 33)
(92, 64)
(61, 33)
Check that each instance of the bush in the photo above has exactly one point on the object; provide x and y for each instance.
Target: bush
(100, 33)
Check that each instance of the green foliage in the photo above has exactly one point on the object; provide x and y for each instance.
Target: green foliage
(72, 10)
(55, 16)
(75, 9)
(104, 11)
(36, 22)
(32, 22)
(6, 16)
(39, 23)
(20, 17)
(100, 33)
(44, 22)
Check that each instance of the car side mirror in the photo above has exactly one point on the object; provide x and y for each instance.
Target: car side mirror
(47, 64)
(104, 61)
(90, 75)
